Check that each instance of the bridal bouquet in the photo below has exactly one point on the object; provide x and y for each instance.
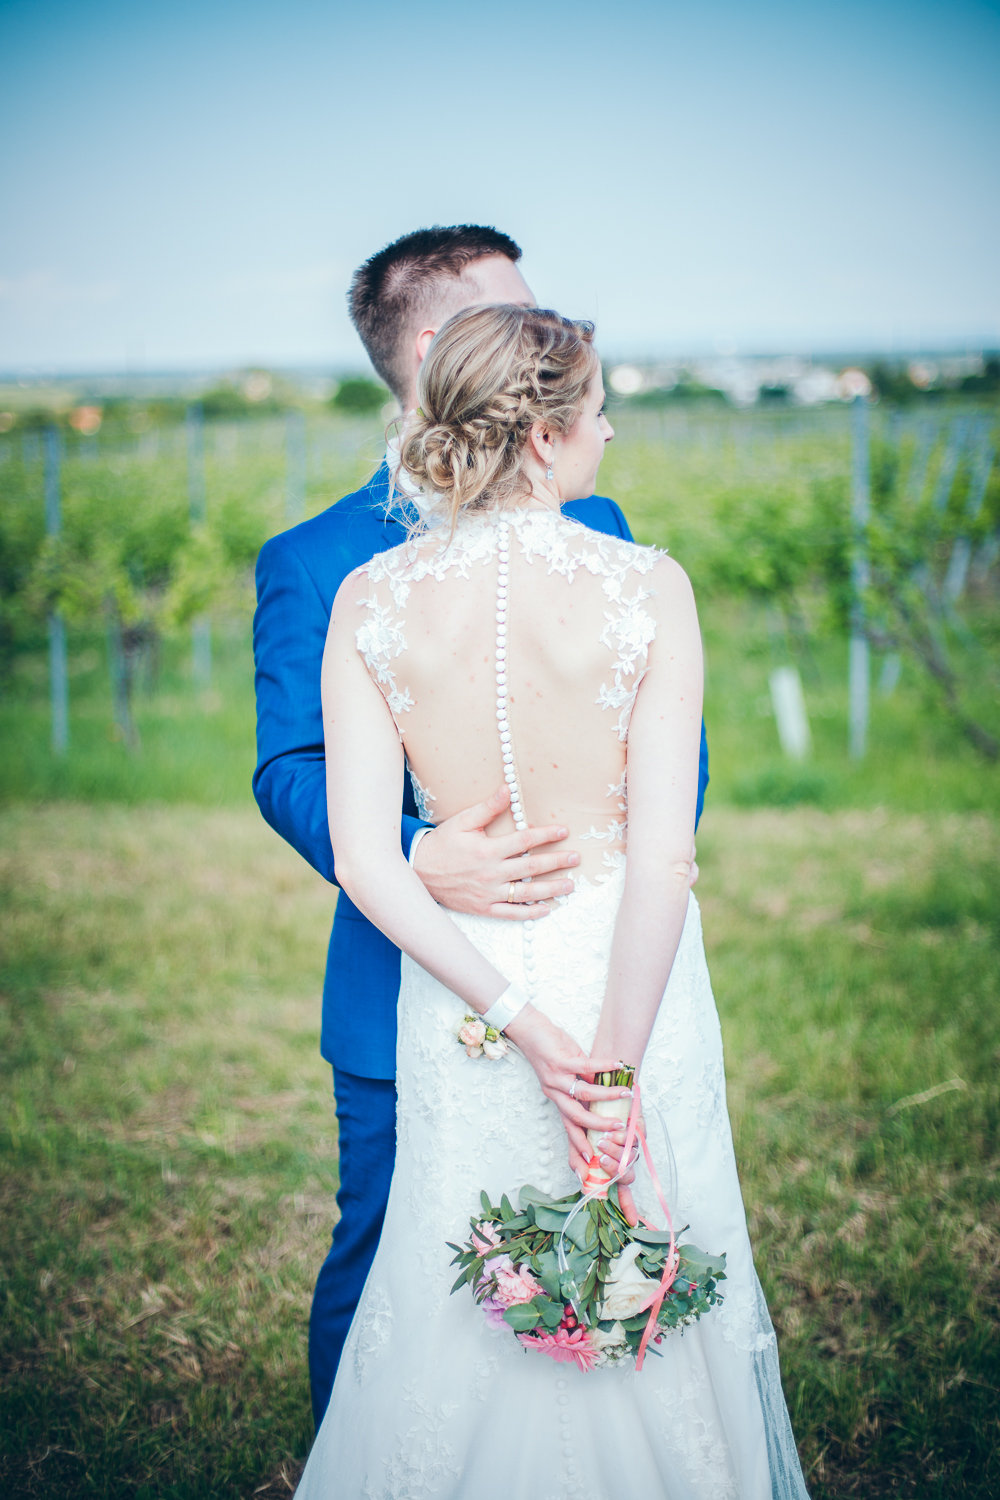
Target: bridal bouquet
(574, 1280)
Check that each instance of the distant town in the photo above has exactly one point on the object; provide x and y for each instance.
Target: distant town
(143, 398)
(749, 381)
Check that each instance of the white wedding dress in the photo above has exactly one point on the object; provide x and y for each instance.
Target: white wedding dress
(428, 1401)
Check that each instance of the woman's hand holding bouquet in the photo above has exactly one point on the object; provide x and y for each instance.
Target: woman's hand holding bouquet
(579, 1278)
(565, 1074)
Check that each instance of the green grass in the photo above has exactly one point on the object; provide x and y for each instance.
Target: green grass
(169, 1150)
(196, 745)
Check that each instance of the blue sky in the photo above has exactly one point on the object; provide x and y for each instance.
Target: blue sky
(191, 185)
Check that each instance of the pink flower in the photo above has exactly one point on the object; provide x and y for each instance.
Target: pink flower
(513, 1286)
(566, 1348)
(472, 1034)
(485, 1235)
(494, 1313)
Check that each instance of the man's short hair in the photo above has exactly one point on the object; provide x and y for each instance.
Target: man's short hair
(408, 280)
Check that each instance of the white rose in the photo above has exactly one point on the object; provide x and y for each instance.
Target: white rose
(471, 1033)
(495, 1050)
(602, 1340)
(627, 1288)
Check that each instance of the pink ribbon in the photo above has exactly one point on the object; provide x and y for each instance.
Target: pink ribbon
(655, 1298)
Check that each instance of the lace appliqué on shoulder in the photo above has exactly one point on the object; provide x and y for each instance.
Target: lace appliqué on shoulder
(379, 640)
(629, 633)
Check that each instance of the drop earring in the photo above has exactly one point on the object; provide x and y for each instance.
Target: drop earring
(548, 473)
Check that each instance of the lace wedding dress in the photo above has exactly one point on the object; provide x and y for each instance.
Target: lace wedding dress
(428, 1400)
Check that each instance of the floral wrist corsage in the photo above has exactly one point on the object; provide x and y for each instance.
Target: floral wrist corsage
(480, 1040)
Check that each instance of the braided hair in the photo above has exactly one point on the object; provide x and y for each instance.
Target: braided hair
(490, 373)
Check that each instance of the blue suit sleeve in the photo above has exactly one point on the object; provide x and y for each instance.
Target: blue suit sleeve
(703, 778)
(289, 635)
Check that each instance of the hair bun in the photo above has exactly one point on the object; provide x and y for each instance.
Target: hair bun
(490, 373)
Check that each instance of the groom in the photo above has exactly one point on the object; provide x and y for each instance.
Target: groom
(398, 300)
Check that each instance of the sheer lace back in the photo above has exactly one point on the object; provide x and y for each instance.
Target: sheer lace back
(523, 621)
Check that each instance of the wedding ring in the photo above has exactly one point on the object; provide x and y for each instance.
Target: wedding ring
(572, 1088)
(510, 892)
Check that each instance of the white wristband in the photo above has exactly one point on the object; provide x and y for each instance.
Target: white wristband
(502, 1011)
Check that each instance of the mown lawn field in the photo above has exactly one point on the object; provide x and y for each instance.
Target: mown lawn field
(169, 1144)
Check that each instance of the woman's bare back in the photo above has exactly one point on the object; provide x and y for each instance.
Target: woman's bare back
(559, 658)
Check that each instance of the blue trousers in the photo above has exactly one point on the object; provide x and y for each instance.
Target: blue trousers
(366, 1115)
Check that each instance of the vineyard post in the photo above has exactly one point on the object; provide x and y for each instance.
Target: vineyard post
(859, 668)
(201, 628)
(295, 466)
(58, 680)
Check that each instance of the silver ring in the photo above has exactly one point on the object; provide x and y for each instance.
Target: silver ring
(572, 1088)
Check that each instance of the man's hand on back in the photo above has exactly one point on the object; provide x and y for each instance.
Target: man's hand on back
(465, 869)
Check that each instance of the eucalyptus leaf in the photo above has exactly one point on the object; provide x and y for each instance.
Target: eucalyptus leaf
(552, 1312)
(651, 1236)
(548, 1272)
(551, 1219)
(532, 1195)
(696, 1264)
(522, 1317)
(582, 1233)
(637, 1324)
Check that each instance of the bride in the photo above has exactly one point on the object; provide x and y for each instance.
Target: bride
(503, 635)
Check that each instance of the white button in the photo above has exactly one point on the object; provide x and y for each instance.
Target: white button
(563, 1401)
(560, 1385)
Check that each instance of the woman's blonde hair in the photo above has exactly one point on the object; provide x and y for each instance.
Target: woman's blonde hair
(488, 375)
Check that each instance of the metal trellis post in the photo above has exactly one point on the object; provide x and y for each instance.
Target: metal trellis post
(58, 677)
(201, 628)
(859, 685)
(295, 466)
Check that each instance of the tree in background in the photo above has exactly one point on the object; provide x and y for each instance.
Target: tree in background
(359, 397)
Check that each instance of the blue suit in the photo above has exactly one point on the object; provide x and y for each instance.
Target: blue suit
(298, 575)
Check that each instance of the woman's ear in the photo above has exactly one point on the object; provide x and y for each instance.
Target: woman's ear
(541, 441)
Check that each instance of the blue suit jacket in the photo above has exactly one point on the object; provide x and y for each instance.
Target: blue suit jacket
(298, 575)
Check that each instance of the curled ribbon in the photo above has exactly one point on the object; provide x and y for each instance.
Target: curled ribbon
(655, 1298)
